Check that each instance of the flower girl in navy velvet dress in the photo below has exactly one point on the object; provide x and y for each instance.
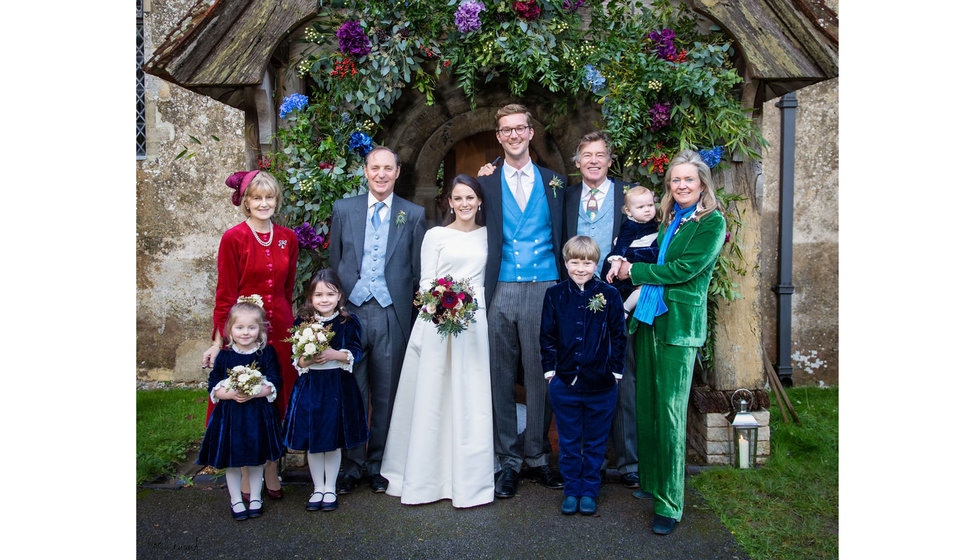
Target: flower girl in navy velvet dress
(325, 410)
(244, 428)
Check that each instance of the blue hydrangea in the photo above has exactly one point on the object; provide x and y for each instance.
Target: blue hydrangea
(712, 157)
(294, 102)
(361, 143)
(593, 80)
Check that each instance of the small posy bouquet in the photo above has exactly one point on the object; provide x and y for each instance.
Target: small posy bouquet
(309, 338)
(449, 304)
(246, 380)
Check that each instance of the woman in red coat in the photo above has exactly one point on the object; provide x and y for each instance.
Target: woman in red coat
(258, 257)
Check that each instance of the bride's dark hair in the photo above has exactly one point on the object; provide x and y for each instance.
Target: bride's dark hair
(469, 181)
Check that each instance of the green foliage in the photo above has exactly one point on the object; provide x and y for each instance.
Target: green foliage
(415, 43)
(168, 424)
(789, 507)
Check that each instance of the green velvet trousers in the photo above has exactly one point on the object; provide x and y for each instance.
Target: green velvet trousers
(663, 385)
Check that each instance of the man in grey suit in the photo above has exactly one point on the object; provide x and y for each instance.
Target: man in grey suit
(375, 247)
(524, 205)
(594, 208)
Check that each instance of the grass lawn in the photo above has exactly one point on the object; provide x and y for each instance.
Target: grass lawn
(168, 423)
(788, 508)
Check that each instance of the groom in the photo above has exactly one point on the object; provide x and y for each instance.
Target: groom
(524, 205)
(375, 247)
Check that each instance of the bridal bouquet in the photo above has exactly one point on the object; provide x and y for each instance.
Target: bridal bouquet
(449, 304)
(309, 338)
(246, 380)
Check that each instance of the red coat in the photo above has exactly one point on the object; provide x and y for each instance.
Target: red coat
(245, 267)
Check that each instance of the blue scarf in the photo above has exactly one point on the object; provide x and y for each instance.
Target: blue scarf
(651, 303)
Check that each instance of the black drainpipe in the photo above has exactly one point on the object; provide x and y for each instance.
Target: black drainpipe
(787, 149)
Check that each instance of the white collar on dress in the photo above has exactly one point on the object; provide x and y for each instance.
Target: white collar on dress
(240, 351)
(323, 319)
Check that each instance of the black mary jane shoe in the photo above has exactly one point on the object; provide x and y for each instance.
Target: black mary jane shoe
(328, 506)
(239, 515)
(255, 512)
(663, 525)
(314, 503)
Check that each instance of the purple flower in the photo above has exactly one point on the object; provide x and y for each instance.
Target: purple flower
(468, 16)
(353, 40)
(659, 116)
(572, 5)
(307, 237)
(664, 43)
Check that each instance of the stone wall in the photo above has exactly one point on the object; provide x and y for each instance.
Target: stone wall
(815, 235)
(182, 209)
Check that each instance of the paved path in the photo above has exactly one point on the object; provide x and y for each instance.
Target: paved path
(195, 522)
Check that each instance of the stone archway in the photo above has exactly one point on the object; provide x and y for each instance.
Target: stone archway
(423, 135)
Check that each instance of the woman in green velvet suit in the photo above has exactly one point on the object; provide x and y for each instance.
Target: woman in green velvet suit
(671, 324)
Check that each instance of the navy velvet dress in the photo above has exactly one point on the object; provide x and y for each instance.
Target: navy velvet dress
(243, 434)
(630, 231)
(325, 410)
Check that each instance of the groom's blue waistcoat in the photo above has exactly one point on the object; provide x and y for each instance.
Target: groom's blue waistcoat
(526, 254)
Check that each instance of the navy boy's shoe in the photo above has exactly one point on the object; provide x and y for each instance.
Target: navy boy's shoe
(569, 505)
(586, 505)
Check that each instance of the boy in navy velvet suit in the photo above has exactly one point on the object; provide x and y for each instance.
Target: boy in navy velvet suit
(583, 343)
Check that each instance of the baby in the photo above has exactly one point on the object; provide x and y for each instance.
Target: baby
(637, 241)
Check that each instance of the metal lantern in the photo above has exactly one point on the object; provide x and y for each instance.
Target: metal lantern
(745, 433)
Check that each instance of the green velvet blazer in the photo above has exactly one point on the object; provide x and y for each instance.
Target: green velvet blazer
(685, 276)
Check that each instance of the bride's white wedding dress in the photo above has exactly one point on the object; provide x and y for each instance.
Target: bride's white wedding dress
(440, 441)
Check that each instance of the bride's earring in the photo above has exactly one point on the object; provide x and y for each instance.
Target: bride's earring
(451, 212)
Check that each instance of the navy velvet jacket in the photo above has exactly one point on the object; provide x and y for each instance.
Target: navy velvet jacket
(579, 344)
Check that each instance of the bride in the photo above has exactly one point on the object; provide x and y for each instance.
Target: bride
(440, 443)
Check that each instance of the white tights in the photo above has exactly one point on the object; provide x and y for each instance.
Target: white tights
(324, 467)
(233, 478)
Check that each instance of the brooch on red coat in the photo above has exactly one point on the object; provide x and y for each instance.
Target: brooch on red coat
(282, 243)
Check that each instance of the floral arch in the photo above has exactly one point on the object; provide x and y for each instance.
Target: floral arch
(653, 75)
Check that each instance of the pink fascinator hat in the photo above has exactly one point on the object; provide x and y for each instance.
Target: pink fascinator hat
(239, 181)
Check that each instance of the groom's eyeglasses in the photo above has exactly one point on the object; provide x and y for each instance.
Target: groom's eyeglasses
(520, 130)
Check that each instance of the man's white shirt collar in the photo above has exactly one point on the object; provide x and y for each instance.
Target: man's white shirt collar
(372, 201)
(603, 188)
(527, 170)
